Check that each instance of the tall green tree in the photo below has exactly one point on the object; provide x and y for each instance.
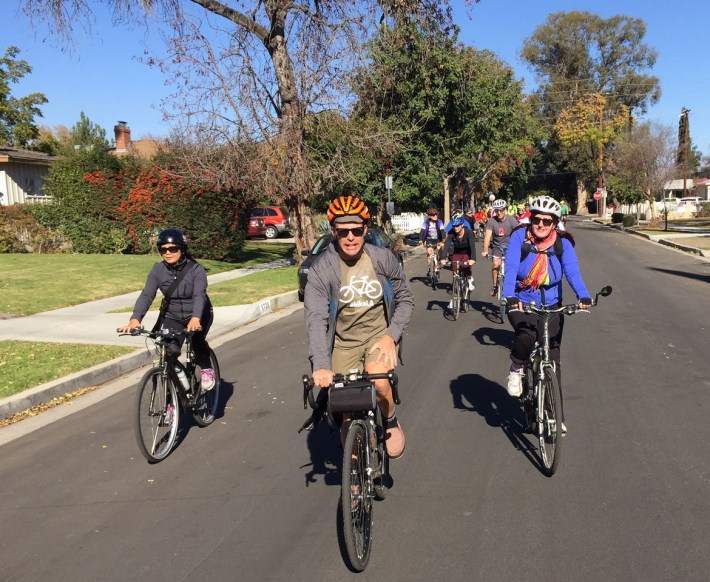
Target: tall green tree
(463, 111)
(577, 54)
(85, 134)
(17, 114)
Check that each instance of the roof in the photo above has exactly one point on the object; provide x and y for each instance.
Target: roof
(8, 155)
(678, 184)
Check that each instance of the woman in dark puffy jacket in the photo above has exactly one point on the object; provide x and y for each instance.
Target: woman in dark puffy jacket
(188, 309)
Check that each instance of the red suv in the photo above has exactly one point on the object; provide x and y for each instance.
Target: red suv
(275, 220)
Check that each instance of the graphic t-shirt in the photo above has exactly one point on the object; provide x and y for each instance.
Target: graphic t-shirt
(432, 228)
(501, 230)
(361, 309)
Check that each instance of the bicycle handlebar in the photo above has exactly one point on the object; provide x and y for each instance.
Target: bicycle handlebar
(160, 334)
(308, 384)
(570, 309)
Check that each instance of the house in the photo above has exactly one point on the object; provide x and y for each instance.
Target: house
(678, 188)
(22, 175)
(701, 189)
(142, 148)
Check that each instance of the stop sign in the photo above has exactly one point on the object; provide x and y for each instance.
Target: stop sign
(597, 195)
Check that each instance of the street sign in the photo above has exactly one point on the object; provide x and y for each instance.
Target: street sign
(598, 195)
(388, 182)
(389, 206)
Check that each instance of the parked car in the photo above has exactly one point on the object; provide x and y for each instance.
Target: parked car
(688, 205)
(275, 220)
(375, 236)
(256, 227)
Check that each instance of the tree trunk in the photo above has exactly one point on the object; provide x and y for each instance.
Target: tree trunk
(582, 197)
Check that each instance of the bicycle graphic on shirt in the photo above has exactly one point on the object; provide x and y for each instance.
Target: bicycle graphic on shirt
(359, 287)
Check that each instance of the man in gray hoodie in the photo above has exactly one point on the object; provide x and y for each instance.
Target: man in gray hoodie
(357, 304)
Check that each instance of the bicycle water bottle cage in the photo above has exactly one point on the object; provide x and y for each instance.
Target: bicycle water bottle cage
(357, 396)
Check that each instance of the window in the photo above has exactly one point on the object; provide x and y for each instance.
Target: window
(30, 186)
(271, 212)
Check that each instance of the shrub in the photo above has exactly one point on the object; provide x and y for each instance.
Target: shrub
(20, 232)
(617, 217)
(629, 220)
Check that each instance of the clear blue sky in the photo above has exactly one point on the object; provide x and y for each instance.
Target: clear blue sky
(102, 77)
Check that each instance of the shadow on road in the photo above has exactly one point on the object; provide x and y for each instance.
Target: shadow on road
(326, 455)
(494, 336)
(490, 400)
(697, 276)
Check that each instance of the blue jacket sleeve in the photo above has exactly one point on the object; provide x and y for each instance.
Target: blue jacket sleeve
(512, 262)
(570, 269)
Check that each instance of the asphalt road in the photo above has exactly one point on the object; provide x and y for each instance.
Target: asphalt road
(250, 499)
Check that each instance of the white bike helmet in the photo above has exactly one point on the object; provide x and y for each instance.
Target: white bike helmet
(546, 205)
(499, 204)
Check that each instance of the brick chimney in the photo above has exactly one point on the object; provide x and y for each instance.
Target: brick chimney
(123, 136)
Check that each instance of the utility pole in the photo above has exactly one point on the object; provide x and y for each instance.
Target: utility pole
(685, 147)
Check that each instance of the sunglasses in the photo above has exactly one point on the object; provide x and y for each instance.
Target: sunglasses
(344, 232)
(540, 220)
(164, 250)
(431, 215)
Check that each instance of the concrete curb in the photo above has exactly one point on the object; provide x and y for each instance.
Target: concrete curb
(102, 373)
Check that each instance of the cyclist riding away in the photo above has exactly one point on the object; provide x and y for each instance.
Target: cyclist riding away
(463, 244)
(432, 234)
(538, 256)
(357, 304)
(185, 307)
(498, 230)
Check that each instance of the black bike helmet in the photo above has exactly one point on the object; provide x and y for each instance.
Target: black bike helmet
(172, 236)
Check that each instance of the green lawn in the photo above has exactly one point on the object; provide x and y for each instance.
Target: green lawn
(32, 283)
(25, 365)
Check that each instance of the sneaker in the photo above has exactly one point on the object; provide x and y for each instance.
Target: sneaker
(450, 305)
(494, 291)
(515, 383)
(208, 379)
(564, 429)
(471, 286)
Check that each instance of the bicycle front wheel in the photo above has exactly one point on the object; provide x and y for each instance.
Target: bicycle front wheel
(356, 498)
(550, 431)
(456, 298)
(206, 405)
(157, 415)
(501, 301)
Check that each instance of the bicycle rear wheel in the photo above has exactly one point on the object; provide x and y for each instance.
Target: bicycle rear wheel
(206, 404)
(157, 415)
(550, 432)
(356, 498)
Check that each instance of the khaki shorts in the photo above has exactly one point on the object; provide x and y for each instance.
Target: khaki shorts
(343, 361)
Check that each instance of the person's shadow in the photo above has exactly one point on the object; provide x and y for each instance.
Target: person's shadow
(326, 455)
(474, 393)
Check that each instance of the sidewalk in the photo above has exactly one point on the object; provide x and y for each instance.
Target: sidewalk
(92, 323)
(664, 237)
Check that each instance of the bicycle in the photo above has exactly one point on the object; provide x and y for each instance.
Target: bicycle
(365, 470)
(434, 266)
(162, 398)
(542, 396)
(500, 300)
(459, 289)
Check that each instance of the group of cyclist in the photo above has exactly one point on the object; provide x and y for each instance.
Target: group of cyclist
(538, 251)
(361, 326)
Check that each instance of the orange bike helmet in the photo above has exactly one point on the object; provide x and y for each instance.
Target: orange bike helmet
(348, 209)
